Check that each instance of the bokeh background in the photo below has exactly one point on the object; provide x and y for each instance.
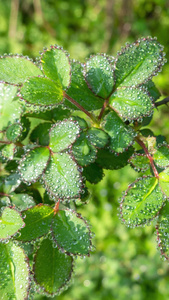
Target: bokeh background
(126, 263)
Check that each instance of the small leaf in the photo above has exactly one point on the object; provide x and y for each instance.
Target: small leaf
(141, 202)
(8, 151)
(93, 173)
(13, 132)
(25, 123)
(97, 137)
(62, 178)
(63, 134)
(71, 232)
(121, 135)
(131, 103)
(22, 201)
(163, 230)
(56, 66)
(10, 223)
(14, 275)
(139, 62)
(34, 163)
(52, 269)
(41, 91)
(140, 162)
(153, 91)
(40, 134)
(80, 92)
(37, 222)
(164, 181)
(10, 108)
(161, 156)
(16, 70)
(113, 161)
(10, 183)
(99, 76)
(83, 151)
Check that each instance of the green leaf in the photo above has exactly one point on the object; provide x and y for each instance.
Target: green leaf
(37, 222)
(56, 66)
(163, 231)
(71, 232)
(62, 178)
(8, 151)
(139, 62)
(153, 91)
(52, 269)
(41, 91)
(83, 151)
(10, 183)
(140, 162)
(14, 272)
(16, 70)
(13, 132)
(99, 75)
(80, 92)
(10, 223)
(63, 134)
(25, 123)
(97, 137)
(93, 173)
(10, 108)
(40, 134)
(121, 135)
(22, 201)
(161, 156)
(33, 164)
(113, 161)
(141, 202)
(55, 114)
(131, 103)
(164, 181)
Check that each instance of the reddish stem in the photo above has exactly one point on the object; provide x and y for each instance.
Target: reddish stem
(148, 156)
(103, 108)
(79, 106)
(56, 208)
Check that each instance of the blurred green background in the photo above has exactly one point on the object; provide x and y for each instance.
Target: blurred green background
(126, 263)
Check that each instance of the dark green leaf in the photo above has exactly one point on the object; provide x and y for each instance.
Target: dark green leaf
(13, 132)
(56, 66)
(93, 173)
(52, 269)
(41, 91)
(99, 76)
(62, 178)
(15, 69)
(10, 223)
(14, 275)
(131, 103)
(121, 135)
(10, 183)
(63, 134)
(97, 137)
(113, 161)
(71, 232)
(40, 134)
(161, 156)
(83, 151)
(37, 222)
(80, 92)
(34, 163)
(141, 202)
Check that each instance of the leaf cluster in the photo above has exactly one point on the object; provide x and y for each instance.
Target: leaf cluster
(62, 124)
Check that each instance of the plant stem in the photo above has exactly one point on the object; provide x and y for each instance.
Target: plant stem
(91, 116)
(148, 156)
(164, 101)
(56, 208)
(103, 108)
